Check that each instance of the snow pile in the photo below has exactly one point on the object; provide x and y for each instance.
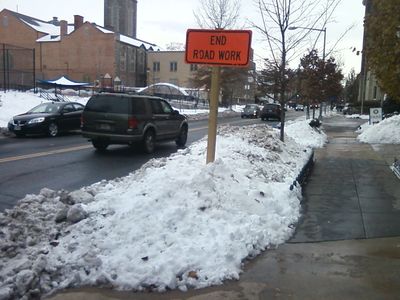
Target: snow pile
(174, 223)
(305, 134)
(16, 103)
(357, 116)
(385, 132)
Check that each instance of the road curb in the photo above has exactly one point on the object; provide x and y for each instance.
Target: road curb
(4, 132)
(301, 179)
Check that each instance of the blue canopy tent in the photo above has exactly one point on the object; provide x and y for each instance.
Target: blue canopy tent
(60, 83)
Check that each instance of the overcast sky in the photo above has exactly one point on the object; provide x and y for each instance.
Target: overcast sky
(162, 22)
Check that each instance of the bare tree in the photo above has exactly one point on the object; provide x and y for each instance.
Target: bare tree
(175, 46)
(278, 17)
(218, 14)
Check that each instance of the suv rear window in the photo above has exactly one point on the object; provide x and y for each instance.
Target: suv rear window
(115, 104)
(160, 107)
(271, 106)
(250, 106)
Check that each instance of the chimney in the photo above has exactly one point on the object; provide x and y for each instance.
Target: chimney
(55, 21)
(63, 28)
(78, 21)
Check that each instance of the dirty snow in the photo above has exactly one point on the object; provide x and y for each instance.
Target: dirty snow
(176, 223)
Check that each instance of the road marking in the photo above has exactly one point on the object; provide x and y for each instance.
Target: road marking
(198, 128)
(64, 150)
(39, 154)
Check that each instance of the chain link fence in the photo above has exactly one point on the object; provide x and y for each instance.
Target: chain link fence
(17, 68)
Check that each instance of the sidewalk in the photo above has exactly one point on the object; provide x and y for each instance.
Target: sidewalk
(347, 245)
(352, 193)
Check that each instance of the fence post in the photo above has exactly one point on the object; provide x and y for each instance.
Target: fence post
(34, 70)
(8, 70)
(4, 67)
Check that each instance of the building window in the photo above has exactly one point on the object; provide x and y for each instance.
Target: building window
(173, 66)
(193, 68)
(5, 21)
(123, 59)
(156, 66)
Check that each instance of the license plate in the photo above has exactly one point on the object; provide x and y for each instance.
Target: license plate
(105, 127)
(17, 127)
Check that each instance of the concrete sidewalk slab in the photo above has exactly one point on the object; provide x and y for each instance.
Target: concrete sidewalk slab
(352, 192)
(355, 269)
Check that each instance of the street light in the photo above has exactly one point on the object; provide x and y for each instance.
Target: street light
(323, 53)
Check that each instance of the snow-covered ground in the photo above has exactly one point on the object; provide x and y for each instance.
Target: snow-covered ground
(357, 116)
(14, 103)
(385, 132)
(176, 223)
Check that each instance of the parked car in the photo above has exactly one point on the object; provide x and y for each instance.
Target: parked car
(130, 119)
(271, 111)
(49, 118)
(348, 109)
(339, 107)
(251, 111)
(299, 107)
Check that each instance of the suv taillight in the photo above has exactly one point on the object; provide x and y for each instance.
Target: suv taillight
(82, 121)
(132, 123)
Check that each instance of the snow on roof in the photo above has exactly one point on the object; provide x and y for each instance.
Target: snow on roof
(102, 29)
(53, 32)
(138, 43)
(49, 38)
(46, 27)
(131, 41)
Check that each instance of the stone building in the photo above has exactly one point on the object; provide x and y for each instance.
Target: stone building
(369, 88)
(83, 51)
(121, 16)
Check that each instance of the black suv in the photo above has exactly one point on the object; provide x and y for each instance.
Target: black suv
(271, 110)
(129, 119)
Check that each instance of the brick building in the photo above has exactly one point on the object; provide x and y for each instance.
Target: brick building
(83, 51)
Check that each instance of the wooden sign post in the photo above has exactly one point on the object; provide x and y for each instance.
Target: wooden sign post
(217, 48)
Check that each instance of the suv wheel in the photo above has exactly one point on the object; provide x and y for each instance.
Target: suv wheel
(182, 137)
(19, 134)
(99, 145)
(52, 130)
(149, 141)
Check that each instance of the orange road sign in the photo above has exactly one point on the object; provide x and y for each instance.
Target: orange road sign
(218, 47)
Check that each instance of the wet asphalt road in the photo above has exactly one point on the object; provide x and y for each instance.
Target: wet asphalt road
(69, 162)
